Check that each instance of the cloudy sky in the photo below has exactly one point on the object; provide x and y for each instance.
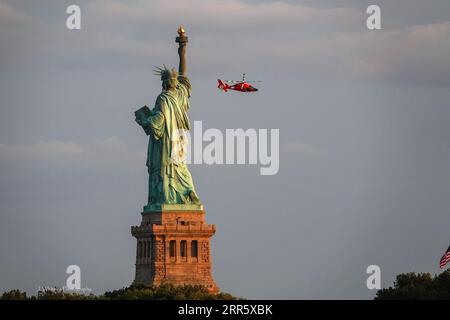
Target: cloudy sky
(364, 139)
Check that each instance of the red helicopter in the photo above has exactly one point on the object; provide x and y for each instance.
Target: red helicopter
(237, 85)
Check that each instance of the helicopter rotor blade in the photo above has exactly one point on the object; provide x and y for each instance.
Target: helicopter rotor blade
(238, 81)
(242, 81)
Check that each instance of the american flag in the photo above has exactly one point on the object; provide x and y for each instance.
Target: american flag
(445, 258)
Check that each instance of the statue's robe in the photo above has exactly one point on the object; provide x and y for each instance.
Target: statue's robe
(170, 181)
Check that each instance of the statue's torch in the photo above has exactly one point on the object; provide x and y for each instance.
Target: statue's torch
(182, 40)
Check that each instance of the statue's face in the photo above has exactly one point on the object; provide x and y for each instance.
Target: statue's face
(166, 85)
(168, 79)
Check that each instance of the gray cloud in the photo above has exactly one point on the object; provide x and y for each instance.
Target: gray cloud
(311, 42)
(105, 153)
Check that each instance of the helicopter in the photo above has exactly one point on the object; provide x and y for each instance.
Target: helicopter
(237, 85)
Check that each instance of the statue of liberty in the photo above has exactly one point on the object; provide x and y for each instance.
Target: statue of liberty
(170, 181)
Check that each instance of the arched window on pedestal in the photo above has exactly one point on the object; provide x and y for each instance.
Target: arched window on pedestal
(172, 250)
(183, 250)
(139, 249)
(194, 250)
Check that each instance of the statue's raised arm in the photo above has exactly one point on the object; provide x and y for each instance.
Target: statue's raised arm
(182, 41)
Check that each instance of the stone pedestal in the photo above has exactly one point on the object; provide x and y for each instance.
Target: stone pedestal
(173, 246)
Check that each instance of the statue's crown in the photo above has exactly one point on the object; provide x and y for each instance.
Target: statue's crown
(165, 73)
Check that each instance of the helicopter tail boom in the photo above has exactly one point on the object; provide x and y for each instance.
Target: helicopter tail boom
(222, 86)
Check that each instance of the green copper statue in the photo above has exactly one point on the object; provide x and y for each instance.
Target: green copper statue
(170, 181)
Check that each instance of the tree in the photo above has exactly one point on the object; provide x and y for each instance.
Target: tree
(420, 286)
(166, 292)
(14, 295)
(162, 292)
